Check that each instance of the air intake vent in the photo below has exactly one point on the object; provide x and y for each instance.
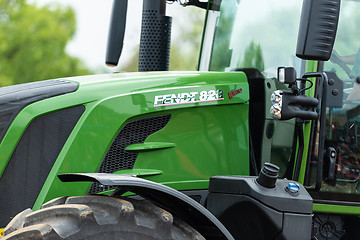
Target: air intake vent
(33, 159)
(14, 98)
(133, 132)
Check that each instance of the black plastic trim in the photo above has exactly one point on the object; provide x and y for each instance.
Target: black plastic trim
(15, 98)
(256, 81)
(335, 197)
(135, 131)
(340, 203)
(317, 30)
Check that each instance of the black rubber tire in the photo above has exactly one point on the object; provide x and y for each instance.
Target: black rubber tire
(98, 217)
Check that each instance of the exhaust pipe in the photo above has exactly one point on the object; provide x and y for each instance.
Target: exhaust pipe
(155, 37)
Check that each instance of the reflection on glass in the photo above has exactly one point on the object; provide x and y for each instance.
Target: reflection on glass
(256, 34)
(343, 124)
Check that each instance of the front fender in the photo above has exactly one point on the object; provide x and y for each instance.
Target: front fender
(168, 198)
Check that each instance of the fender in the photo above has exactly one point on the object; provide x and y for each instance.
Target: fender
(168, 198)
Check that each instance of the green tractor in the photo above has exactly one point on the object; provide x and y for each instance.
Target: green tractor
(262, 142)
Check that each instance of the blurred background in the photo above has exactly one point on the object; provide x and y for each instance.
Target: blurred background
(46, 39)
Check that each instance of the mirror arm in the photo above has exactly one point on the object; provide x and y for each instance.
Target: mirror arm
(325, 81)
(299, 130)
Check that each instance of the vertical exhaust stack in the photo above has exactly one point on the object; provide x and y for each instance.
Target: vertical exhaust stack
(155, 37)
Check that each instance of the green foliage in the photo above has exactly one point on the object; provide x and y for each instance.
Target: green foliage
(253, 57)
(33, 41)
(246, 37)
(184, 51)
(347, 43)
(221, 54)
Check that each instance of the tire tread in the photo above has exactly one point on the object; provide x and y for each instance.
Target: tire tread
(98, 217)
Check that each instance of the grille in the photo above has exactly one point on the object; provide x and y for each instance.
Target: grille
(33, 159)
(133, 132)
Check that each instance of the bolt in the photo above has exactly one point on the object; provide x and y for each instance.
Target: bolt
(331, 82)
(358, 79)
(335, 92)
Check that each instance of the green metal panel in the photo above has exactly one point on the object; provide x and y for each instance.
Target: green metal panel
(208, 126)
(149, 146)
(209, 141)
(336, 209)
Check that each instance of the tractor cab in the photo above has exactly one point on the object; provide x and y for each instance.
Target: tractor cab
(257, 37)
(341, 172)
(241, 36)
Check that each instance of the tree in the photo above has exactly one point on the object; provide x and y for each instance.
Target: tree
(221, 55)
(253, 57)
(184, 52)
(33, 41)
(347, 42)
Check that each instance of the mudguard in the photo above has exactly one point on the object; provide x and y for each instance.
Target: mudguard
(168, 198)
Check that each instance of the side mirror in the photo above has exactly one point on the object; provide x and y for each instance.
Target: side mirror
(318, 26)
(116, 32)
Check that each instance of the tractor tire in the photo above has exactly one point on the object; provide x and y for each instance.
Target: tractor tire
(98, 217)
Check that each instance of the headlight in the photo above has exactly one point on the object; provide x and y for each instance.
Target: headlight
(275, 111)
(276, 97)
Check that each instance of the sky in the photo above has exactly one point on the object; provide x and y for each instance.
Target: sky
(93, 18)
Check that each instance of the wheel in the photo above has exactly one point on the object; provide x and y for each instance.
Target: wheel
(98, 217)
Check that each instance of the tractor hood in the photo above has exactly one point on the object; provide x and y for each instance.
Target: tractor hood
(71, 125)
(184, 88)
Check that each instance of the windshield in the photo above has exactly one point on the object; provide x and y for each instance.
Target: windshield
(342, 130)
(258, 34)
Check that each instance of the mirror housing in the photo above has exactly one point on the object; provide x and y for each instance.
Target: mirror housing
(317, 31)
(116, 32)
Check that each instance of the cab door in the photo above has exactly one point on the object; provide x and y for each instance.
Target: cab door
(342, 130)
